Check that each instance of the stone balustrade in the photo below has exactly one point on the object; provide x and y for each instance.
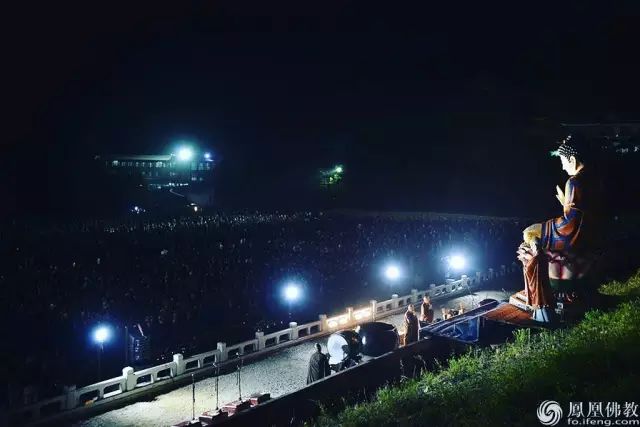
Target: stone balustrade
(130, 379)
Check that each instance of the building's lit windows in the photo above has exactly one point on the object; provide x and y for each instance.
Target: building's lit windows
(114, 163)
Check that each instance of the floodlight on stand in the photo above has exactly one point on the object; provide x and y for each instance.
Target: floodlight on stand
(457, 262)
(392, 272)
(101, 334)
(185, 154)
(292, 292)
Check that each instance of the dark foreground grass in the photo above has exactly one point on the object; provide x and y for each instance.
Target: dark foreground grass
(596, 360)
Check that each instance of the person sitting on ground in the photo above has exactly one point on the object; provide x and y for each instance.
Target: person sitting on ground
(411, 325)
(318, 365)
(461, 309)
(426, 311)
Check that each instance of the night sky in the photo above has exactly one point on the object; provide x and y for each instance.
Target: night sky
(429, 107)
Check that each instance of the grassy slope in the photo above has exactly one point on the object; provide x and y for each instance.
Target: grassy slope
(596, 360)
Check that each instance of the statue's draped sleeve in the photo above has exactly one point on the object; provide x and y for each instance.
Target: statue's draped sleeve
(537, 287)
(562, 233)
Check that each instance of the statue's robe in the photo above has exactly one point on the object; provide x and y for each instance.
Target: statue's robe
(570, 238)
(565, 244)
(536, 278)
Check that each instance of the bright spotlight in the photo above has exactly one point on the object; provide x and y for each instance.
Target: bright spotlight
(457, 262)
(392, 272)
(101, 334)
(185, 154)
(292, 292)
(339, 169)
(207, 156)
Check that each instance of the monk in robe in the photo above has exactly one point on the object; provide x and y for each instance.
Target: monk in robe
(318, 365)
(411, 325)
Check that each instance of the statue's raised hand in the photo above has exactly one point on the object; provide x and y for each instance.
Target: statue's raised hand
(560, 195)
(566, 200)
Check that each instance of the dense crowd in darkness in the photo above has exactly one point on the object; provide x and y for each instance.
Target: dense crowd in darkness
(194, 281)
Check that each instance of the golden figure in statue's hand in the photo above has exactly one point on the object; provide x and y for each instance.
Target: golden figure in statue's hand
(532, 233)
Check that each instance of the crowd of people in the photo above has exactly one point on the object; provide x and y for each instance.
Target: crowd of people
(190, 282)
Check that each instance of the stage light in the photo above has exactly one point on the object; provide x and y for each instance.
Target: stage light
(185, 154)
(392, 272)
(457, 262)
(339, 169)
(207, 156)
(101, 334)
(292, 292)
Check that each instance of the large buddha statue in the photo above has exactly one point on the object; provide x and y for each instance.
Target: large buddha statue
(557, 253)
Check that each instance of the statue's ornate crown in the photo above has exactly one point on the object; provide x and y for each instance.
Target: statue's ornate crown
(566, 148)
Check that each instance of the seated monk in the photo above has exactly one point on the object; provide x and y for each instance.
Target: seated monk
(556, 254)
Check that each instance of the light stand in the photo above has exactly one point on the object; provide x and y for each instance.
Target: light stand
(217, 385)
(193, 394)
(100, 350)
(126, 345)
(239, 380)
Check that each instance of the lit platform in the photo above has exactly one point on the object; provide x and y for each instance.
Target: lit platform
(512, 314)
(519, 299)
(490, 323)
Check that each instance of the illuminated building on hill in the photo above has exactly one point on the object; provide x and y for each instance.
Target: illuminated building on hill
(162, 170)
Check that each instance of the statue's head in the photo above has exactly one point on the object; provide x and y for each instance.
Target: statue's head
(572, 152)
